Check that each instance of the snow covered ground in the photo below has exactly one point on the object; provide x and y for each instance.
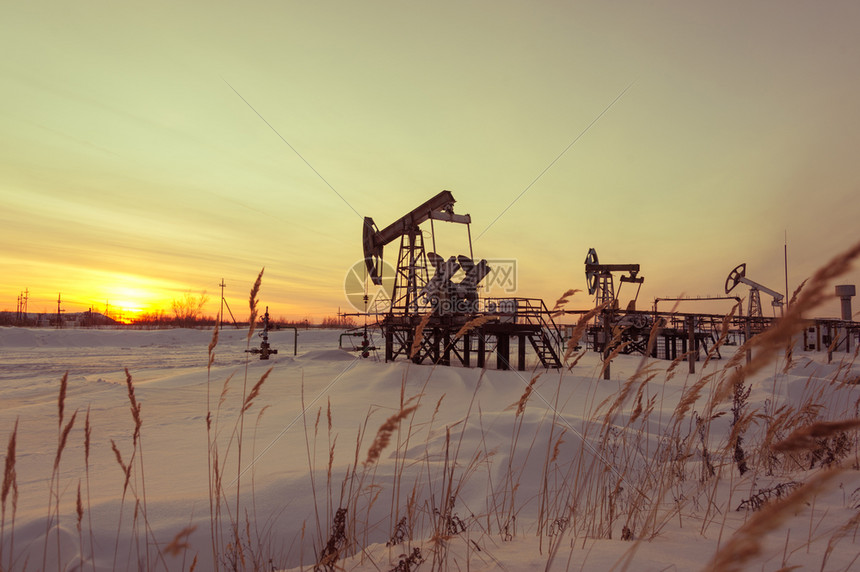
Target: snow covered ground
(576, 473)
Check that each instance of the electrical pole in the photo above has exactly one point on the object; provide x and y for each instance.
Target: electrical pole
(224, 303)
(21, 313)
(221, 313)
(59, 317)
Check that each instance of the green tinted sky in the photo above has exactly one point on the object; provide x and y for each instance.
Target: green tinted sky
(128, 165)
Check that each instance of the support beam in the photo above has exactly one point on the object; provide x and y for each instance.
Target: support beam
(503, 351)
(691, 342)
(607, 336)
(521, 352)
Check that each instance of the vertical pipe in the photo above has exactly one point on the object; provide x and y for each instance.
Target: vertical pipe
(521, 352)
(691, 343)
(847, 314)
(503, 353)
(786, 270)
(607, 336)
(411, 288)
(469, 232)
(389, 345)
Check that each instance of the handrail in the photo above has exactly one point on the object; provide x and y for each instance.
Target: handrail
(530, 310)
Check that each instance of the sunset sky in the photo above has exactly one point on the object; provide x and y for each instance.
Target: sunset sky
(687, 137)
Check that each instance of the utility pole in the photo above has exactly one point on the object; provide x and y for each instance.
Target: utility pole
(221, 313)
(224, 303)
(21, 313)
(59, 317)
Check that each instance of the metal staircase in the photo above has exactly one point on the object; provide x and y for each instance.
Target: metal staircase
(546, 341)
(536, 323)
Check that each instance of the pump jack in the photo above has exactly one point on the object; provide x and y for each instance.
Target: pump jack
(444, 306)
(739, 276)
(411, 275)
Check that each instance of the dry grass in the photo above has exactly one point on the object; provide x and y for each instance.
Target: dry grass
(520, 405)
(558, 307)
(253, 302)
(255, 391)
(806, 437)
(472, 324)
(746, 543)
(10, 484)
(418, 338)
(619, 493)
(383, 435)
(580, 328)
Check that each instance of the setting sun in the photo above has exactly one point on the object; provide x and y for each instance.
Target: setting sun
(124, 297)
(131, 300)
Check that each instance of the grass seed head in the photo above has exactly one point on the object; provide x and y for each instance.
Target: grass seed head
(180, 541)
(61, 401)
(383, 435)
(419, 335)
(520, 405)
(9, 469)
(746, 543)
(805, 437)
(134, 405)
(252, 303)
(556, 450)
(564, 299)
(580, 327)
(472, 324)
(255, 391)
(214, 341)
(126, 469)
(88, 432)
(64, 436)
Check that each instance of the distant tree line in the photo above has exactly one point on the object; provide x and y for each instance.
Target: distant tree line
(186, 311)
(88, 319)
(339, 321)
